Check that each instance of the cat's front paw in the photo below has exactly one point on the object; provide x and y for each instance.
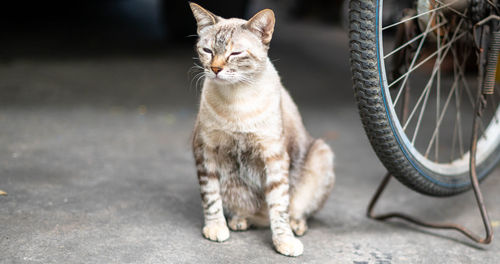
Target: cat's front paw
(288, 245)
(216, 231)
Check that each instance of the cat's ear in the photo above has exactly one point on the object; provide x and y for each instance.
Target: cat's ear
(203, 17)
(262, 24)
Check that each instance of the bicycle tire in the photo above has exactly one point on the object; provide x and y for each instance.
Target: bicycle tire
(379, 127)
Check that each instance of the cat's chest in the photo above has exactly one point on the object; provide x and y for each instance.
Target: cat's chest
(240, 161)
(240, 148)
(240, 176)
(258, 114)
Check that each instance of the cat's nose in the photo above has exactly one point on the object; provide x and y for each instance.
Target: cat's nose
(216, 70)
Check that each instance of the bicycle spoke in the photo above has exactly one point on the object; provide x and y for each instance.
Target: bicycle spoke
(458, 100)
(454, 87)
(440, 119)
(466, 85)
(438, 89)
(462, 77)
(443, 44)
(426, 89)
(417, 53)
(459, 118)
(453, 141)
(431, 79)
(428, 58)
(460, 133)
(414, 39)
(457, 104)
(421, 114)
(437, 67)
(452, 9)
(455, 84)
(457, 129)
(419, 15)
(460, 68)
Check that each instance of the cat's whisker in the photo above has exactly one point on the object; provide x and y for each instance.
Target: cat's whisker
(196, 78)
(246, 80)
(195, 68)
(200, 78)
(197, 81)
(196, 65)
(193, 73)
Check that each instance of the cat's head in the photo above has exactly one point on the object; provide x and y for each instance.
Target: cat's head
(233, 50)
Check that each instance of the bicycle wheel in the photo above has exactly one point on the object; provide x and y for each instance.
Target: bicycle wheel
(415, 82)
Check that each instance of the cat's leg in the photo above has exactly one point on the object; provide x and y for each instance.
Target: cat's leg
(315, 184)
(238, 223)
(215, 227)
(277, 198)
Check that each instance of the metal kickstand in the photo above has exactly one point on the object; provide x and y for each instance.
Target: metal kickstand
(479, 198)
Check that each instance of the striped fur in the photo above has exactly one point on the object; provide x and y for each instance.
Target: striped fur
(255, 161)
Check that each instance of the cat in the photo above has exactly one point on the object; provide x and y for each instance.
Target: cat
(255, 161)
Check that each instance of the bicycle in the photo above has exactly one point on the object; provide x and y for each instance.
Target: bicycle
(421, 74)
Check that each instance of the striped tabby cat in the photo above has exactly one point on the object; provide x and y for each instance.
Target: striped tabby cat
(256, 162)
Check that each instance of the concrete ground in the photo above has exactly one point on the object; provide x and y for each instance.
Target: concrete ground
(96, 162)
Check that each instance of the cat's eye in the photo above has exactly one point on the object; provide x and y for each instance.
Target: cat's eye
(207, 50)
(236, 53)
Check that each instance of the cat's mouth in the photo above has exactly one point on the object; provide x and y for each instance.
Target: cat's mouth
(219, 78)
(222, 78)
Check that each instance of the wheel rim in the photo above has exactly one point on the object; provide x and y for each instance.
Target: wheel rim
(460, 89)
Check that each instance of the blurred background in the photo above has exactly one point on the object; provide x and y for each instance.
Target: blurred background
(106, 36)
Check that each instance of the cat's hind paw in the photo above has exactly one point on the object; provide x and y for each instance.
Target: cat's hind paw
(238, 224)
(299, 226)
(288, 245)
(216, 232)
